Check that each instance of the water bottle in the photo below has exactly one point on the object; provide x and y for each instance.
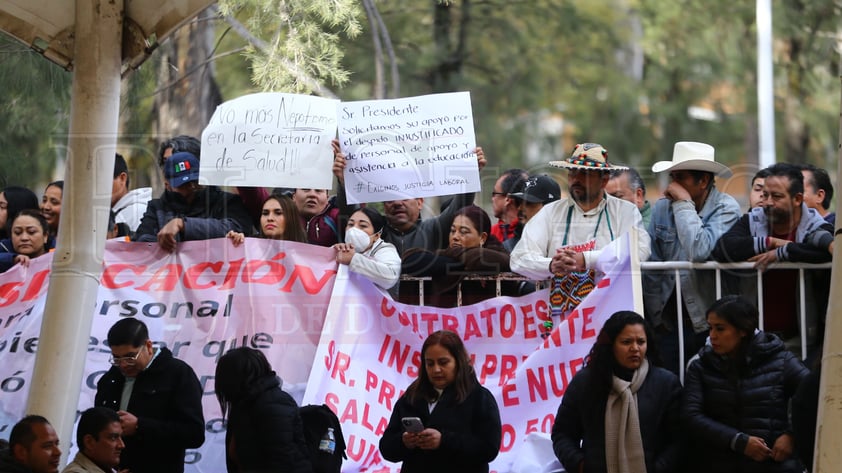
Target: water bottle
(328, 442)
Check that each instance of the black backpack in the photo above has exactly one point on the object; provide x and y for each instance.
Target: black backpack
(316, 420)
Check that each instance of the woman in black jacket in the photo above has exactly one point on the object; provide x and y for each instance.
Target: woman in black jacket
(264, 433)
(472, 250)
(621, 412)
(736, 394)
(461, 429)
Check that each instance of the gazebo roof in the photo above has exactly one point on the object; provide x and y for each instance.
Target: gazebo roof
(47, 26)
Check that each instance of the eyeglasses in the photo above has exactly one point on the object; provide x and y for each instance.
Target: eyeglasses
(128, 360)
(493, 193)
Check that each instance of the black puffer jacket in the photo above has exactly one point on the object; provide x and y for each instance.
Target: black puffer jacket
(722, 399)
(211, 215)
(265, 433)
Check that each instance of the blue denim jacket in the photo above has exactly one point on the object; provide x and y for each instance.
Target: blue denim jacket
(679, 233)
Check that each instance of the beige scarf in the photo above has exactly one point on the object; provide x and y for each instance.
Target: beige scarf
(623, 445)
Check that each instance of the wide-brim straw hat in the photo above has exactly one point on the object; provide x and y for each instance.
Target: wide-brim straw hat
(590, 156)
(692, 156)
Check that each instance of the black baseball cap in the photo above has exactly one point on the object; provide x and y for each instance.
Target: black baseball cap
(543, 189)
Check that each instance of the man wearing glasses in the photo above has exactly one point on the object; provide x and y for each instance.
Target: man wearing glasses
(158, 399)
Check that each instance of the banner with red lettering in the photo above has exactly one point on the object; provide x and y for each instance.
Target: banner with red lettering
(199, 302)
(209, 297)
(370, 352)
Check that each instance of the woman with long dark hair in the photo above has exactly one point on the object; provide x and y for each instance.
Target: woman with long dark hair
(264, 433)
(736, 395)
(279, 220)
(620, 413)
(459, 429)
(13, 199)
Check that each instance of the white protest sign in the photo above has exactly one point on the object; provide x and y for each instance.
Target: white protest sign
(411, 147)
(270, 139)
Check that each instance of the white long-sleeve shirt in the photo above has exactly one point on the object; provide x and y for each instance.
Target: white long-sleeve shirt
(548, 231)
(381, 264)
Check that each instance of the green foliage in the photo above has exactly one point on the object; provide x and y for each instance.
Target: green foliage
(305, 40)
(36, 108)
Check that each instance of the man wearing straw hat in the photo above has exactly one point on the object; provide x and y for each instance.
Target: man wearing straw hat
(566, 236)
(686, 224)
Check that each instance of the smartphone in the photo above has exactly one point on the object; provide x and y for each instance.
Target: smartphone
(412, 424)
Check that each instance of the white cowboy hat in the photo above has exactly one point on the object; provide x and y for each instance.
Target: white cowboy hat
(692, 156)
(588, 156)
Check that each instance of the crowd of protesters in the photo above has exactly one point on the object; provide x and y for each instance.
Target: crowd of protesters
(623, 412)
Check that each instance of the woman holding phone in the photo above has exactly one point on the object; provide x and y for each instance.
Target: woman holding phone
(458, 419)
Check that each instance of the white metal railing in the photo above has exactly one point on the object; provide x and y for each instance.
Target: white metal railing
(675, 266)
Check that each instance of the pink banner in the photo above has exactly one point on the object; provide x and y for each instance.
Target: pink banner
(199, 302)
(370, 352)
(350, 345)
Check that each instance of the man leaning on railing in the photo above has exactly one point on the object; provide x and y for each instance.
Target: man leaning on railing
(783, 229)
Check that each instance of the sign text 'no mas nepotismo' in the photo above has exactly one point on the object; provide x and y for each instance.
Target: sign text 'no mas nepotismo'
(272, 140)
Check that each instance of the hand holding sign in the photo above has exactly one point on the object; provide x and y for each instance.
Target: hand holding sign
(412, 147)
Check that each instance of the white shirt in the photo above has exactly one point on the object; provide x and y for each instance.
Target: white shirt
(547, 230)
(381, 264)
(131, 207)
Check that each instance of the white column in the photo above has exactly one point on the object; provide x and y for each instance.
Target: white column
(77, 261)
(827, 455)
(765, 85)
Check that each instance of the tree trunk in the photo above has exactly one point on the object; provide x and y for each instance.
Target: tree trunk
(189, 93)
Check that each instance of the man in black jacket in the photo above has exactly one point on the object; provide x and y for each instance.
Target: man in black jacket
(158, 398)
(189, 211)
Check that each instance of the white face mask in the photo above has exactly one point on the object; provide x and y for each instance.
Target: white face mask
(360, 239)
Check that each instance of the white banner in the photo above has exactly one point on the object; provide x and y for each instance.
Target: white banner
(410, 147)
(270, 139)
(273, 295)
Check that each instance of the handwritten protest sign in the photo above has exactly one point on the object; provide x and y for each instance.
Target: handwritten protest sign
(412, 147)
(271, 140)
